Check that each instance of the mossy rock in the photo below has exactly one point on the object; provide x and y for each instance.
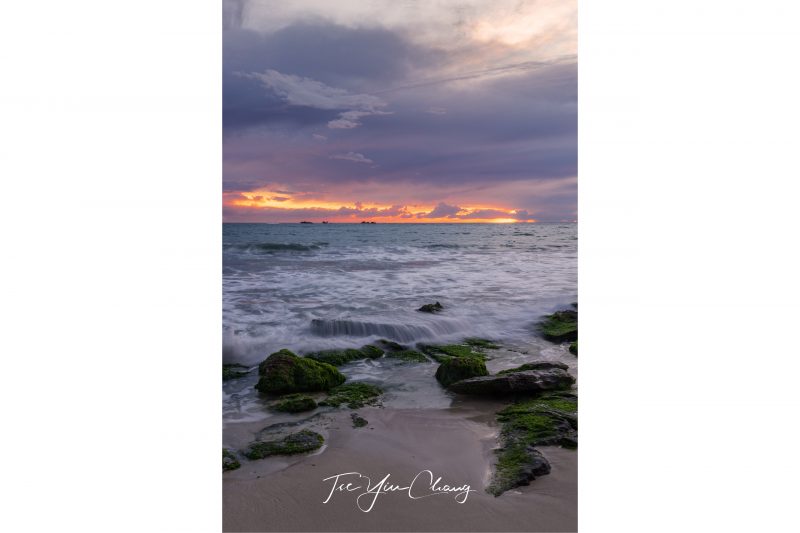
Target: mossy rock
(573, 349)
(371, 352)
(390, 346)
(229, 460)
(458, 368)
(358, 421)
(444, 352)
(410, 356)
(527, 382)
(355, 395)
(230, 371)
(481, 343)
(431, 308)
(300, 442)
(340, 357)
(517, 465)
(548, 420)
(284, 372)
(295, 403)
(561, 326)
(537, 365)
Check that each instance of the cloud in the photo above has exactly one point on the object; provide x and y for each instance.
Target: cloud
(442, 210)
(306, 92)
(482, 114)
(355, 157)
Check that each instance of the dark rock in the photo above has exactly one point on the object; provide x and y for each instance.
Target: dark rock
(524, 382)
(390, 346)
(431, 308)
(284, 372)
(573, 349)
(358, 422)
(457, 369)
(536, 365)
(300, 442)
(229, 460)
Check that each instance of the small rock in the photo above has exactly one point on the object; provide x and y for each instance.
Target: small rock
(300, 442)
(431, 308)
(358, 422)
(229, 461)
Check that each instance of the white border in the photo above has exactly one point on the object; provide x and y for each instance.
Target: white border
(110, 287)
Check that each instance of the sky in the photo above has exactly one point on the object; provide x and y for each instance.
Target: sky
(400, 111)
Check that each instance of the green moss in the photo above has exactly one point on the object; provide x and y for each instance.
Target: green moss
(511, 461)
(229, 460)
(300, 442)
(284, 372)
(565, 404)
(336, 357)
(573, 349)
(458, 368)
(560, 326)
(411, 356)
(358, 422)
(371, 352)
(550, 419)
(355, 395)
(295, 403)
(443, 352)
(229, 371)
(340, 357)
(535, 427)
(481, 343)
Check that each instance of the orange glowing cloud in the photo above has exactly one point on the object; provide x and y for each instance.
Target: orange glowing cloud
(275, 206)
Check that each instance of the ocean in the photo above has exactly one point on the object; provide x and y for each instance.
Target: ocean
(309, 287)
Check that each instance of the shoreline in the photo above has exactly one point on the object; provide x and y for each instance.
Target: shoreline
(456, 443)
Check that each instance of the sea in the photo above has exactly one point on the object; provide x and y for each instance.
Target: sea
(309, 287)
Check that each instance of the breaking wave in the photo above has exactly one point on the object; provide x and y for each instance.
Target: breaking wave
(396, 332)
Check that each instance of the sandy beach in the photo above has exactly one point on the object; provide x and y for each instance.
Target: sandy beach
(287, 493)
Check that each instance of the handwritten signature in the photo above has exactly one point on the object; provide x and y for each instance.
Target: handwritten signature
(422, 486)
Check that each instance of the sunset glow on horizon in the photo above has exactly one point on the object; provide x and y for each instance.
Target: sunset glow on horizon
(332, 211)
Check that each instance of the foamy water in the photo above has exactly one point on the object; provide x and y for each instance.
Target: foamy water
(309, 287)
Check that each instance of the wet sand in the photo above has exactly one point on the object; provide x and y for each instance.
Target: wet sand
(287, 494)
